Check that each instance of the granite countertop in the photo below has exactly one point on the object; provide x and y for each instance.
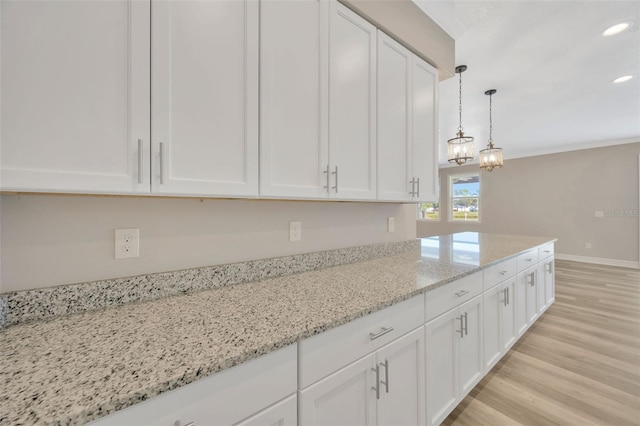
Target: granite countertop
(76, 368)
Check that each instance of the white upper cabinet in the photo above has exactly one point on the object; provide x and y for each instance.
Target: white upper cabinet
(394, 120)
(407, 124)
(352, 100)
(317, 124)
(293, 98)
(75, 96)
(424, 135)
(204, 100)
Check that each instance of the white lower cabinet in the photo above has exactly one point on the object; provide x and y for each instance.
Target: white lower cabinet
(284, 413)
(499, 322)
(382, 388)
(453, 358)
(549, 282)
(226, 398)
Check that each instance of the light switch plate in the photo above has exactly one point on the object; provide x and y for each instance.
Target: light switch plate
(391, 224)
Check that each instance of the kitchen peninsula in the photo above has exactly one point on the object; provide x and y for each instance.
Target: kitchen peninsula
(77, 368)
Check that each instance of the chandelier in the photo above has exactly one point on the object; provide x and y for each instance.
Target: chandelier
(460, 148)
(490, 157)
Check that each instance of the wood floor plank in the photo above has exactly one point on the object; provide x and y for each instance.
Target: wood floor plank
(579, 364)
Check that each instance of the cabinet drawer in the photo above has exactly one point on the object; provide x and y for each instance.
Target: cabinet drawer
(527, 259)
(224, 398)
(450, 295)
(325, 353)
(545, 251)
(497, 273)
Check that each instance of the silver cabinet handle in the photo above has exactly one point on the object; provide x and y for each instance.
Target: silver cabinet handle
(504, 294)
(528, 260)
(549, 267)
(385, 330)
(418, 185)
(326, 172)
(466, 324)
(178, 423)
(533, 279)
(413, 187)
(336, 173)
(161, 163)
(508, 296)
(386, 375)
(503, 273)
(377, 386)
(462, 293)
(140, 161)
(461, 331)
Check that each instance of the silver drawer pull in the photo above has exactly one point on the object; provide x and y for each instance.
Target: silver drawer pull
(178, 423)
(385, 364)
(462, 293)
(528, 260)
(547, 251)
(374, 336)
(377, 386)
(502, 273)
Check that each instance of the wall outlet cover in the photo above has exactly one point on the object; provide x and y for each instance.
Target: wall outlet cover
(127, 243)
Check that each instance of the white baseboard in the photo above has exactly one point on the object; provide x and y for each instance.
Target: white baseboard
(599, 260)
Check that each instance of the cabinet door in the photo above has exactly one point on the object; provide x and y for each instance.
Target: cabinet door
(508, 316)
(494, 302)
(549, 282)
(471, 365)
(401, 366)
(394, 116)
(75, 96)
(531, 279)
(424, 134)
(352, 101)
(442, 339)
(293, 98)
(541, 300)
(284, 413)
(205, 97)
(520, 301)
(344, 398)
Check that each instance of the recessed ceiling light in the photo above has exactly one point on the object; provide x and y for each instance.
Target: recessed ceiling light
(623, 79)
(617, 28)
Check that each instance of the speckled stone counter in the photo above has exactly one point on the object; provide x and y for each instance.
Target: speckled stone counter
(72, 369)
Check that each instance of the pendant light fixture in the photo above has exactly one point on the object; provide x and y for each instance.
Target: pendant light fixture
(460, 148)
(490, 158)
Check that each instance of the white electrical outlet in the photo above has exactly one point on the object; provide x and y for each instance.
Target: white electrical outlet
(599, 213)
(588, 245)
(127, 243)
(391, 224)
(295, 231)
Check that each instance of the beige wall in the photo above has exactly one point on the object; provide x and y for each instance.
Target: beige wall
(557, 195)
(52, 240)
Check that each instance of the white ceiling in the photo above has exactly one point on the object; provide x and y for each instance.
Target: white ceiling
(553, 71)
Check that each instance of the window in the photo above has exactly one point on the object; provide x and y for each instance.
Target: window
(464, 191)
(429, 211)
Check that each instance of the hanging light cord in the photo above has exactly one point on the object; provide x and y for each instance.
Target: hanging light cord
(490, 122)
(460, 103)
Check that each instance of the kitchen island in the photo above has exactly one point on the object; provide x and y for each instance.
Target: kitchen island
(77, 368)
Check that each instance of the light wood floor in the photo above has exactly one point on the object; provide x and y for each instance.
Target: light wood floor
(579, 364)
